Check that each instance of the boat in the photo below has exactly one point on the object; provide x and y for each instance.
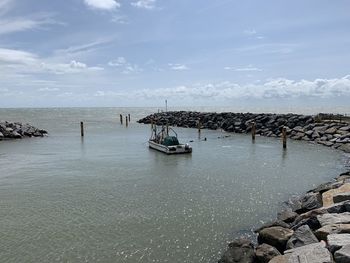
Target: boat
(168, 144)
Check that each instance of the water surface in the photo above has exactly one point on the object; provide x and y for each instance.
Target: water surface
(108, 198)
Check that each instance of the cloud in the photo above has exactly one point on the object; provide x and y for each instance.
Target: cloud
(102, 4)
(13, 56)
(178, 67)
(125, 67)
(145, 4)
(49, 89)
(19, 61)
(273, 88)
(249, 68)
(250, 32)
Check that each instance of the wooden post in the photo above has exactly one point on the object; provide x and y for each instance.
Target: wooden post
(82, 129)
(253, 130)
(126, 121)
(129, 117)
(284, 137)
(167, 129)
(121, 119)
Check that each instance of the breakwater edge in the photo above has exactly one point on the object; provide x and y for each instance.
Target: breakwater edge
(17, 130)
(314, 227)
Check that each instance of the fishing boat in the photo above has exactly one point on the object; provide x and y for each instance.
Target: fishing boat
(169, 144)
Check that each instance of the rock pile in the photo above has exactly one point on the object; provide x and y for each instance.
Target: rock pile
(307, 230)
(299, 127)
(16, 130)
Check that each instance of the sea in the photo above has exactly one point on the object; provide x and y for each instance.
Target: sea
(107, 197)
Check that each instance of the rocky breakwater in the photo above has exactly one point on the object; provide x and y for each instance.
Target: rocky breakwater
(314, 228)
(330, 133)
(16, 130)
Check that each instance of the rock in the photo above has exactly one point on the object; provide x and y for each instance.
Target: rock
(342, 255)
(326, 186)
(326, 143)
(309, 202)
(341, 197)
(345, 128)
(324, 231)
(331, 219)
(301, 237)
(287, 216)
(279, 259)
(331, 130)
(277, 222)
(311, 221)
(327, 197)
(264, 253)
(275, 236)
(313, 253)
(240, 250)
(345, 148)
(337, 241)
(1, 136)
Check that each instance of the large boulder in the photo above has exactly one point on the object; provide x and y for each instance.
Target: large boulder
(239, 251)
(264, 253)
(287, 216)
(301, 237)
(310, 201)
(275, 236)
(342, 255)
(324, 231)
(313, 253)
(337, 241)
(327, 197)
(331, 219)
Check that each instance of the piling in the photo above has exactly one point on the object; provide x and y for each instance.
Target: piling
(253, 131)
(121, 119)
(126, 121)
(82, 129)
(129, 117)
(167, 129)
(199, 127)
(284, 137)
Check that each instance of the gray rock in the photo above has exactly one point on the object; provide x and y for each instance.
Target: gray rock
(337, 241)
(345, 147)
(279, 259)
(239, 251)
(287, 216)
(301, 237)
(277, 222)
(313, 253)
(324, 231)
(331, 130)
(1, 135)
(309, 202)
(345, 128)
(264, 253)
(342, 255)
(331, 219)
(340, 197)
(275, 236)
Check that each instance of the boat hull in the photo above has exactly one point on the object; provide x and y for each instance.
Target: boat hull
(175, 149)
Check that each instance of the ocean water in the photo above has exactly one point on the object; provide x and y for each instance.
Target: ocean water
(109, 198)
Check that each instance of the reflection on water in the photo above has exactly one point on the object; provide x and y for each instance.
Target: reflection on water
(107, 197)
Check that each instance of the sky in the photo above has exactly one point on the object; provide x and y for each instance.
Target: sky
(77, 53)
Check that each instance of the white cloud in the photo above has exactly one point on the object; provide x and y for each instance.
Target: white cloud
(48, 89)
(77, 65)
(178, 67)
(250, 32)
(145, 4)
(102, 4)
(122, 64)
(120, 61)
(249, 68)
(16, 56)
(274, 88)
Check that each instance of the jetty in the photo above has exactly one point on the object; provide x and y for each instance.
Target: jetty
(17, 130)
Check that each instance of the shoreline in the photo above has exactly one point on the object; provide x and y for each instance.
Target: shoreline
(315, 227)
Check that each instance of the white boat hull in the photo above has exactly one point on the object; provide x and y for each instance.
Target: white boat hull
(175, 149)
